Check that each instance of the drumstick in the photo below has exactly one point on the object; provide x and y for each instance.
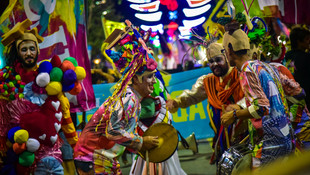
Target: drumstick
(245, 138)
(227, 138)
(225, 129)
(147, 162)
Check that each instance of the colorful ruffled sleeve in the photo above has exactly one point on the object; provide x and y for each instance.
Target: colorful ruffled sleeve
(195, 95)
(257, 102)
(122, 125)
(294, 93)
(67, 125)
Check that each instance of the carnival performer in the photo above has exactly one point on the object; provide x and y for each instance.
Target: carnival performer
(266, 104)
(298, 58)
(112, 128)
(221, 88)
(295, 96)
(153, 110)
(21, 72)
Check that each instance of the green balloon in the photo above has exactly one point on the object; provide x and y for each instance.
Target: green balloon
(26, 158)
(56, 74)
(72, 60)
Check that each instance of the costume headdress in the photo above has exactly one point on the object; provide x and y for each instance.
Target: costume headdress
(239, 39)
(20, 33)
(214, 49)
(133, 58)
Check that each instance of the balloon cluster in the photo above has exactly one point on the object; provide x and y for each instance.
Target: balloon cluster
(56, 76)
(23, 146)
(11, 85)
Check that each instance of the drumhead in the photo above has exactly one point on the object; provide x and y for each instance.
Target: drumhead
(168, 142)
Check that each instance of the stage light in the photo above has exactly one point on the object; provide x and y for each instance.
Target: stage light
(150, 7)
(197, 3)
(158, 27)
(139, 1)
(196, 11)
(97, 61)
(193, 23)
(152, 17)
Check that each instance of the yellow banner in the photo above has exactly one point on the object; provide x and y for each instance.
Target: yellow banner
(109, 26)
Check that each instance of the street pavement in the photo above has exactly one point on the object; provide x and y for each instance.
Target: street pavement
(192, 164)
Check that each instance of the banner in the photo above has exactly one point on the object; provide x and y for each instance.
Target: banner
(109, 26)
(62, 24)
(186, 121)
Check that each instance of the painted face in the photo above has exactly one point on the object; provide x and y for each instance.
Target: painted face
(218, 65)
(147, 85)
(28, 53)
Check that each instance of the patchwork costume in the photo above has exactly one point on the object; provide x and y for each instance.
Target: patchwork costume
(113, 126)
(269, 129)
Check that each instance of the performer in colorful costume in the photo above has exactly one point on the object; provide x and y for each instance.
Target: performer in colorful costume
(295, 96)
(269, 129)
(221, 88)
(33, 108)
(112, 128)
(297, 60)
(153, 110)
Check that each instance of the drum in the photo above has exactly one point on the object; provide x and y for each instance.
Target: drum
(231, 157)
(168, 142)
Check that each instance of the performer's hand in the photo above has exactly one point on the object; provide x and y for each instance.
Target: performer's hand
(172, 105)
(231, 107)
(227, 118)
(150, 142)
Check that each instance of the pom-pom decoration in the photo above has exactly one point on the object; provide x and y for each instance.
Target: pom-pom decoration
(42, 79)
(67, 88)
(53, 88)
(45, 66)
(21, 136)
(26, 158)
(72, 60)
(11, 86)
(32, 145)
(19, 148)
(66, 65)
(80, 73)
(54, 77)
(77, 89)
(69, 77)
(12, 132)
(56, 62)
(56, 74)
